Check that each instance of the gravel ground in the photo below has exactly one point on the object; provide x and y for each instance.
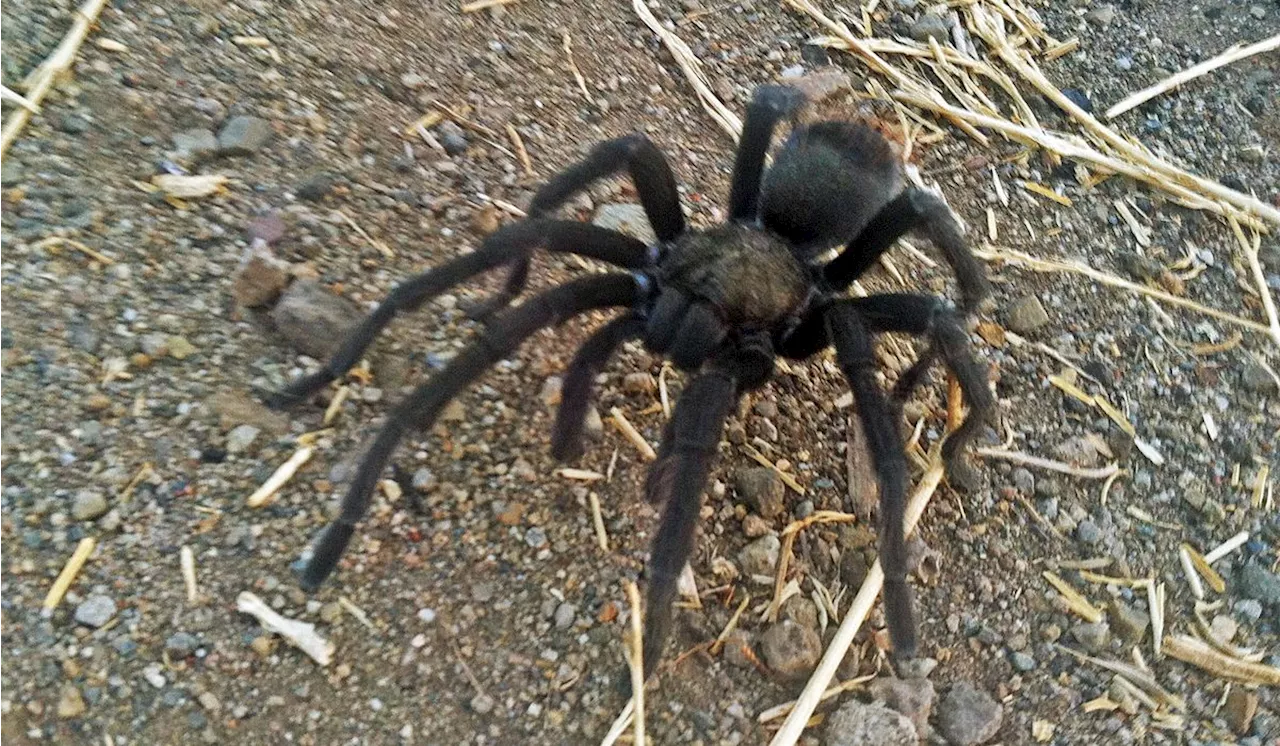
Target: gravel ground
(492, 616)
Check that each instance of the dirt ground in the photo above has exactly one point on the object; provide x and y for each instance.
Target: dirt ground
(494, 618)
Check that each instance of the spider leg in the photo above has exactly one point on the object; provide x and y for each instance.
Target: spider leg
(421, 408)
(655, 186)
(769, 105)
(856, 359)
(690, 448)
(575, 396)
(913, 208)
(931, 317)
(517, 239)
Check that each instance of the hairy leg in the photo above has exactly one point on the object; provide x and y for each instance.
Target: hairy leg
(676, 482)
(856, 358)
(927, 316)
(575, 394)
(769, 105)
(518, 239)
(913, 208)
(655, 186)
(420, 409)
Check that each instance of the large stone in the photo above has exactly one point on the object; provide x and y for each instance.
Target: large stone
(791, 650)
(860, 724)
(1027, 314)
(968, 716)
(314, 320)
(234, 408)
(626, 218)
(911, 697)
(243, 135)
(196, 143)
(761, 489)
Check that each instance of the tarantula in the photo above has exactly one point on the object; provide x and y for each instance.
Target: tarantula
(721, 303)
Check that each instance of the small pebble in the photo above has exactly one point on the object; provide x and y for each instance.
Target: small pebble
(95, 611)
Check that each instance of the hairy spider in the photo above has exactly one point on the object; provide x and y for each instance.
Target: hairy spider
(722, 303)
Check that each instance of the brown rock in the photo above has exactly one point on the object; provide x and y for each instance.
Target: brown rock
(1241, 706)
(314, 320)
(260, 279)
(791, 650)
(234, 408)
(71, 702)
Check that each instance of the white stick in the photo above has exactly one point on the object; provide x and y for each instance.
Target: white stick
(301, 635)
(853, 619)
(187, 560)
(692, 71)
(277, 480)
(1227, 547)
(1232, 54)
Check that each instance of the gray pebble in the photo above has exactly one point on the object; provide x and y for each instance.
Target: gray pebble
(312, 319)
(1092, 637)
(565, 615)
(181, 644)
(1249, 608)
(1087, 532)
(1026, 315)
(482, 704)
(197, 143)
(452, 138)
(1102, 15)
(930, 26)
(88, 505)
(1024, 481)
(1022, 662)
(95, 611)
(535, 537)
(1253, 377)
(760, 556)
(241, 437)
(791, 650)
(1256, 581)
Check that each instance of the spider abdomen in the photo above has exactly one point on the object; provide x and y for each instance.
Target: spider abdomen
(748, 276)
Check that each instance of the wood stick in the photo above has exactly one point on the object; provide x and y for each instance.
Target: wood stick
(1057, 265)
(479, 5)
(1021, 64)
(808, 701)
(40, 81)
(1200, 654)
(269, 488)
(636, 659)
(67, 576)
(692, 68)
(187, 561)
(1027, 459)
(1232, 54)
(624, 426)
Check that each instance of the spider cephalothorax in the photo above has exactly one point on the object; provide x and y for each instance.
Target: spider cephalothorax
(722, 303)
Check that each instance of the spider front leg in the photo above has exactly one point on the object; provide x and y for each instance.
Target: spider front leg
(676, 481)
(515, 240)
(655, 186)
(913, 208)
(420, 409)
(769, 105)
(856, 359)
